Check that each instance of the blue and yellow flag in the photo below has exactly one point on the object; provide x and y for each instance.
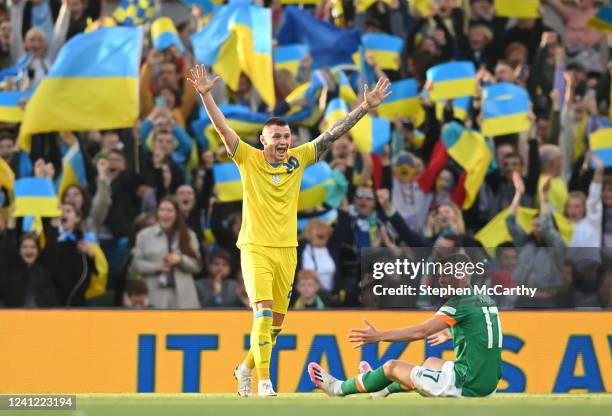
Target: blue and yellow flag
(327, 217)
(73, 169)
(371, 134)
(313, 188)
(35, 197)
(289, 57)
(452, 80)
(134, 12)
(239, 39)
(93, 85)
(164, 35)
(386, 49)
(336, 110)
(346, 91)
(404, 101)
(523, 9)
(246, 123)
(7, 176)
(99, 276)
(461, 108)
(505, 110)
(227, 182)
(496, 232)
(329, 45)
(602, 20)
(14, 70)
(11, 110)
(470, 150)
(600, 143)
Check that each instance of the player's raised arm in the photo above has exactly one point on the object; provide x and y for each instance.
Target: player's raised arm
(204, 85)
(370, 334)
(371, 100)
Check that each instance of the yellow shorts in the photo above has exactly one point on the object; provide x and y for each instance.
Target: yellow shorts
(268, 274)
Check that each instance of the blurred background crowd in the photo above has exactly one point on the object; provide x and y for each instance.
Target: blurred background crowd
(146, 222)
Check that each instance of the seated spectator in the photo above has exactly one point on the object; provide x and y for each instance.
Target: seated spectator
(136, 294)
(166, 256)
(218, 288)
(308, 287)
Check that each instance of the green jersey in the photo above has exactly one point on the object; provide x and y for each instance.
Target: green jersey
(477, 338)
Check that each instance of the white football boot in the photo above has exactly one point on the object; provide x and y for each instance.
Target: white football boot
(325, 381)
(244, 376)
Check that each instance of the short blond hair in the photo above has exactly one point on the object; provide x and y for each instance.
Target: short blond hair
(308, 274)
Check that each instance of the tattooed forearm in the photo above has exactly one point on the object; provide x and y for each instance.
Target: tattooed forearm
(339, 128)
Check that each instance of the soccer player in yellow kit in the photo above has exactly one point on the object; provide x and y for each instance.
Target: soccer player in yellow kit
(268, 237)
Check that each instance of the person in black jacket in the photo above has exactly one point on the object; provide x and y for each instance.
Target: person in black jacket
(24, 276)
(71, 257)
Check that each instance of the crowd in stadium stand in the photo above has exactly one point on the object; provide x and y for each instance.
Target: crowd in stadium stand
(167, 241)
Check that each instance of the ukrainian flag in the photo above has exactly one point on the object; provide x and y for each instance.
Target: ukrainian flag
(10, 108)
(164, 35)
(313, 189)
(371, 134)
(14, 70)
(452, 80)
(495, 232)
(99, 276)
(309, 113)
(523, 9)
(73, 169)
(289, 57)
(336, 110)
(35, 197)
(602, 20)
(134, 12)
(93, 85)
(227, 182)
(461, 108)
(239, 39)
(470, 150)
(327, 217)
(346, 91)
(7, 176)
(505, 110)
(600, 143)
(386, 49)
(246, 123)
(404, 101)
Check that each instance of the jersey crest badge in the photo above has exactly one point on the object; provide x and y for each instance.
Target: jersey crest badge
(276, 180)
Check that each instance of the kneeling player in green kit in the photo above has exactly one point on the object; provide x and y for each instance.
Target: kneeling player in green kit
(472, 321)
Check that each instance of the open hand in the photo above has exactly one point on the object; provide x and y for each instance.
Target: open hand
(361, 337)
(375, 97)
(200, 79)
(439, 338)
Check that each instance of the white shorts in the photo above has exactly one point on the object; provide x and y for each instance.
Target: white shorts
(436, 383)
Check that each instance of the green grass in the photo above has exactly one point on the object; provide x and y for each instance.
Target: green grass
(314, 404)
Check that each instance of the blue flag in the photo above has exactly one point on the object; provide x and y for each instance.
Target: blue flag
(329, 45)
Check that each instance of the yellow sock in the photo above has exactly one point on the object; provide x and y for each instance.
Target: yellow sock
(249, 360)
(261, 342)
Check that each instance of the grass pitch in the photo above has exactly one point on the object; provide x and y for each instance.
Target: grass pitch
(316, 404)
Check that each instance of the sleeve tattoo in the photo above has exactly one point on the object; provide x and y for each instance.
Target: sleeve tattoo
(326, 138)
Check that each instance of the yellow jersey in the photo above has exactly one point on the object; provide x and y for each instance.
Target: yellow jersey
(270, 194)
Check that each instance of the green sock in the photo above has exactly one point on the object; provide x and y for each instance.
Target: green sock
(396, 387)
(367, 382)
